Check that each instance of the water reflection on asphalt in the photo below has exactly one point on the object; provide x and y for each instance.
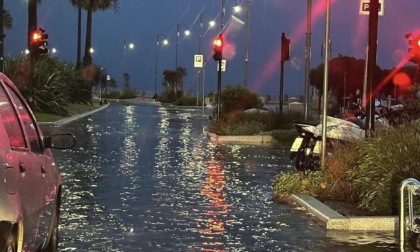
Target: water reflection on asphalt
(146, 178)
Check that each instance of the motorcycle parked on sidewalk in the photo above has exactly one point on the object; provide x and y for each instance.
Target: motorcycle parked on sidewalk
(307, 146)
(303, 147)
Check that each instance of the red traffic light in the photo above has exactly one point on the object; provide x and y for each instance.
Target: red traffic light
(285, 48)
(38, 42)
(414, 49)
(218, 42)
(218, 48)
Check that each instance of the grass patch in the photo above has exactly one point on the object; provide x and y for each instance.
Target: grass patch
(75, 109)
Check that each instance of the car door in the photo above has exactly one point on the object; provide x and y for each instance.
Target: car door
(22, 158)
(41, 162)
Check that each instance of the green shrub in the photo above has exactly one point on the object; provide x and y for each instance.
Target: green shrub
(129, 93)
(188, 101)
(264, 122)
(284, 137)
(367, 172)
(315, 183)
(239, 98)
(387, 159)
(170, 96)
(113, 95)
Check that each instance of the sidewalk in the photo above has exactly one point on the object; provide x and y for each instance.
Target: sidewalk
(73, 118)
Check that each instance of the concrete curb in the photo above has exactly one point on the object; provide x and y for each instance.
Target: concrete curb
(73, 118)
(336, 221)
(251, 139)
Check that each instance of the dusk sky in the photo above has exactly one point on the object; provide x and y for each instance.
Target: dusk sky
(140, 21)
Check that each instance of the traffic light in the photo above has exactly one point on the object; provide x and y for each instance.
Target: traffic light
(414, 49)
(218, 48)
(39, 42)
(285, 48)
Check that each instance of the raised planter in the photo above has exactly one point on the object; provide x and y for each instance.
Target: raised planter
(251, 139)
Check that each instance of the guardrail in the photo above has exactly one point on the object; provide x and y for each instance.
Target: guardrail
(413, 188)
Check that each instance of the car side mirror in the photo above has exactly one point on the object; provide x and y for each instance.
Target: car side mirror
(60, 141)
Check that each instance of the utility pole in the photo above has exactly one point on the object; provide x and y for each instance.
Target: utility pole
(307, 56)
(285, 55)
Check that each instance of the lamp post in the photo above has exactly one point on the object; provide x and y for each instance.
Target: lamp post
(237, 8)
(108, 78)
(101, 83)
(130, 45)
(246, 45)
(187, 33)
(200, 36)
(165, 42)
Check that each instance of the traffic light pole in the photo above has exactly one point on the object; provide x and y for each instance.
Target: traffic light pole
(219, 87)
(281, 86)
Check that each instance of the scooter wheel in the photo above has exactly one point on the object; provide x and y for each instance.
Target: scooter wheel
(300, 161)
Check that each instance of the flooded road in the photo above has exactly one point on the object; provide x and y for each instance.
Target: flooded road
(147, 178)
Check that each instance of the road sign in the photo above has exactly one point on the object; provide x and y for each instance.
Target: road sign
(223, 65)
(198, 60)
(364, 7)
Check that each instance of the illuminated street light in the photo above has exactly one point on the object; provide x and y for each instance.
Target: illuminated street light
(186, 33)
(91, 50)
(165, 42)
(237, 7)
(126, 45)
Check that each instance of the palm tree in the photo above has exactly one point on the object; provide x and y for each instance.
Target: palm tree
(6, 23)
(173, 81)
(92, 6)
(7, 20)
(32, 17)
(78, 3)
(113, 84)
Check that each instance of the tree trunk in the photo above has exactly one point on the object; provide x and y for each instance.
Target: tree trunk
(87, 60)
(32, 18)
(1, 36)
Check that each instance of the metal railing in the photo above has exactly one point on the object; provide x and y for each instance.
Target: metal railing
(413, 188)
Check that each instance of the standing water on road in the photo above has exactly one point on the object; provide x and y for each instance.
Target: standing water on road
(147, 178)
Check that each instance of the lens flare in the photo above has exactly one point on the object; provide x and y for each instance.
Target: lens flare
(402, 79)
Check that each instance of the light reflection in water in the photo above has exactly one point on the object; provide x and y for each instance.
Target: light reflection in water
(213, 226)
(145, 178)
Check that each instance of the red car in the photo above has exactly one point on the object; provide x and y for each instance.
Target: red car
(31, 184)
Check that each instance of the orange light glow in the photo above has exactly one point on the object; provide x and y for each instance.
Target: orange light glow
(36, 36)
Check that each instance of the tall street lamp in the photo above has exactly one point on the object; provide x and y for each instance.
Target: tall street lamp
(187, 33)
(129, 45)
(101, 81)
(211, 23)
(237, 8)
(165, 42)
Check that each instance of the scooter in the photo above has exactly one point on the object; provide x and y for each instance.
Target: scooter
(307, 146)
(303, 147)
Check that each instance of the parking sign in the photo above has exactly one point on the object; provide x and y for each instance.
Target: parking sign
(198, 61)
(364, 7)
